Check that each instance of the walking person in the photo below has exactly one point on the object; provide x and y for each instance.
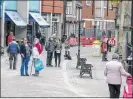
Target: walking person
(25, 51)
(37, 51)
(13, 49)
(58, 48)
(67, 49)
(113, 72)
(50, 48)
(104, 51)
(10, 38)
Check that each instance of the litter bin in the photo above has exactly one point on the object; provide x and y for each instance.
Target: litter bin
(96, 45)
(130, 65)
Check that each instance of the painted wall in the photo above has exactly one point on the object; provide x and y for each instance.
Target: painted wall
(34, 6)
(11, 5)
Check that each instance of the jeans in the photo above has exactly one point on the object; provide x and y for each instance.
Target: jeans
(25, 62)
(57, 57)
(104, 56)
(12, 60)
(114, 90)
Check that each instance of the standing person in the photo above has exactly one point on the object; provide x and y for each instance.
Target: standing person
(13, 50)
(25, 52)
(67, 48)
(104, 51)
(50, 45)
(58, 48)
(38, 35)
(113, 72)
(37, 51)
(10, 37)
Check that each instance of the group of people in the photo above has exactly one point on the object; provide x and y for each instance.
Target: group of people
(26, 50)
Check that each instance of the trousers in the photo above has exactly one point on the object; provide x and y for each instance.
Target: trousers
(104, 56)
(114, 90)
(24, 66)
(12, 60)
(49, 57)
(57, 58)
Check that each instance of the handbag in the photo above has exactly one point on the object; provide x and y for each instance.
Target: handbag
(39, 65)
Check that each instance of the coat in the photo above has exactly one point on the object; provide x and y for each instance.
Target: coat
(35, 53)
(10, 39)
(13, 48)
(23, 50)
(114, 71)
(39, 47)
(104, 47)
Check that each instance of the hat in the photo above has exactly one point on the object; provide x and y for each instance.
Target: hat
(115, 56)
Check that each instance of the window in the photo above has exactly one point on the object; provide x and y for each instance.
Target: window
(105, 3)
(88, 2)
(69, 10)
(110, 6)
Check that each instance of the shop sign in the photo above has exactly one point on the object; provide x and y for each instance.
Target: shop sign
(34, 6)
(11, 5)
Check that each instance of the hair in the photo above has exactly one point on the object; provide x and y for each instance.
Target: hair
(115, 56)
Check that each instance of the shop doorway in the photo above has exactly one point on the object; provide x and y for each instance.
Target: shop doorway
(9, 27)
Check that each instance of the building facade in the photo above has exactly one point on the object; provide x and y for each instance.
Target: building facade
(52, 12)
(23, 18)
(97, 18)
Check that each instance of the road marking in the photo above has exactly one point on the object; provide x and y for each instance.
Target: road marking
(65, 76)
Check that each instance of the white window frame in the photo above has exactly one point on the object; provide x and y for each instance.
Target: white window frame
(69, 10)
(88, 2)
(105, 3)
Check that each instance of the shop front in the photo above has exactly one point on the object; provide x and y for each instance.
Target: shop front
(36, 21)
(13, 21)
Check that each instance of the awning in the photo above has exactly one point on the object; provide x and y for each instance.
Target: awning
(16, 18)
(39, 19)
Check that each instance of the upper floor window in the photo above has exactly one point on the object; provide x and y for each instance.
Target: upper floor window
(88, 2)
(105, 3)
(69, 10)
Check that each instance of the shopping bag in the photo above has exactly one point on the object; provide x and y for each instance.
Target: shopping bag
(39, 65)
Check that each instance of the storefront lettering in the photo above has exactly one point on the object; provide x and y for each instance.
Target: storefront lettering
(16, 18)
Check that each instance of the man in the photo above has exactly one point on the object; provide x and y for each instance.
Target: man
(10, 37)
(13, 50)
(50, 49)
(114, 71)
(25, 51)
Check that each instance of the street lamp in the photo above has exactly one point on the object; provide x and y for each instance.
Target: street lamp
(79, 6)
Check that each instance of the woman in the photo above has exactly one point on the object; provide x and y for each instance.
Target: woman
(58, 48)
(37, 51)
(113, 72)
(67, 49)
(25, 51)
(104, 51)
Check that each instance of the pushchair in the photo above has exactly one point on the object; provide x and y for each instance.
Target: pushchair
(67, 55)
(128, 88)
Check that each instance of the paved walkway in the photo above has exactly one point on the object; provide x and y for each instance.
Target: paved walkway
(55, 82)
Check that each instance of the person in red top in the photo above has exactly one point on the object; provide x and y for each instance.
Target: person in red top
(38, 45)
(10, 37)
(104, 51)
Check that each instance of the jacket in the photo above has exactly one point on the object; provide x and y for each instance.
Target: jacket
(67, 45)
(10, 39)
(23, 50)
(13, 48)
(50, 46)
(35, 53)
(114, 71)
(58, 47)
(39, 47)
(104, 47)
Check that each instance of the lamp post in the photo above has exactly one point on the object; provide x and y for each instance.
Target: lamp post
(79, 6)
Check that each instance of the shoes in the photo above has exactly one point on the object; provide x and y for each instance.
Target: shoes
(26, 74)
(51, 65)
(35, 75)
(22, 75)
(14, 68)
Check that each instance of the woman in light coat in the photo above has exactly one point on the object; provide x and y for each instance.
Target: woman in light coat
(37, 50)
(114, 71)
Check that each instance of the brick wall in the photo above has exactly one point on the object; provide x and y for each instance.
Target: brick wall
(47, 6)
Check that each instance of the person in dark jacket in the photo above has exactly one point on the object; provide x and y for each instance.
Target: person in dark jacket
(58, 48)
(13, 50)
(50, 47)
(25, 51)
